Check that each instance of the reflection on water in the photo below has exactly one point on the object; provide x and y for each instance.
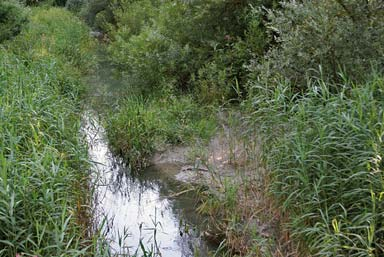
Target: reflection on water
(139, 208)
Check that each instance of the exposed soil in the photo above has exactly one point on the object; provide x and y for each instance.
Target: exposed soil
(222, 159)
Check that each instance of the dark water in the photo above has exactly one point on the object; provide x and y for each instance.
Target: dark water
(136, 210)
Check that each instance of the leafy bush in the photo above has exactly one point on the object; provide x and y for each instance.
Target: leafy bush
(74, 5)
(225, 76)
(141, 50)
(157, 43)
(213, 83)
(324, 38)
(97, 13)
(12, 18)
(326, 154)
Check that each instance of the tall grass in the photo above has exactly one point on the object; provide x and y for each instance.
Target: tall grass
(55, 33)
(325, 152)
(43, 167)
(138, 127)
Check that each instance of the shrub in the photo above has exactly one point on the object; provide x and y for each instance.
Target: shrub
(213, 84)
(224, 77)
(97, 13)
(156, 43)
(324, 38)
(12, 18)
(74, 5)
(152, 60)
(45, 2)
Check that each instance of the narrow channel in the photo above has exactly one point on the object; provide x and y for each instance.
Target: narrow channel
(138, 213)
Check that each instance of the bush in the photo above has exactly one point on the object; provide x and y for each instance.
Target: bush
(140, 49)
(157, 43)
(97, 13)
(224, 77)
(74, 6)
(325, 151)
(324, 38)
(12, 18)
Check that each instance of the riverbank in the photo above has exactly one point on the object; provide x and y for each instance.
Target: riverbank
(44, 168)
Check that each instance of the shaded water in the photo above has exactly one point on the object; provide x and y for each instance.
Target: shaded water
(137, 209)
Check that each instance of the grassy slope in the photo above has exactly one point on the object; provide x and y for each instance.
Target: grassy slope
(42, 158)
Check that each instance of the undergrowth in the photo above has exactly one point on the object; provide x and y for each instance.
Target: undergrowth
(12, 19)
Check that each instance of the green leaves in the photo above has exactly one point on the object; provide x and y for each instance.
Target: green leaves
(192, 46)
(324, 39)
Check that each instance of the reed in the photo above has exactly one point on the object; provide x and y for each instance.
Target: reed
(43, 160)
(325, 153)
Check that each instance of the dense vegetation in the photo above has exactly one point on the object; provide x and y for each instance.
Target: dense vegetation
(325, 153)
(306, 75)
(168, 50)
(43, 159)
(195, 47)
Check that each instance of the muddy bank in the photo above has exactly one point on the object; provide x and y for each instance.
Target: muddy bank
(234, 196)
(225, 157)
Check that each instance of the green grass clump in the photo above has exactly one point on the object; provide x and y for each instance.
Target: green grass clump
(43, 167)
(326, 152)
(140, 126)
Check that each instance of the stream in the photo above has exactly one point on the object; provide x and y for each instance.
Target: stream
(138, 214)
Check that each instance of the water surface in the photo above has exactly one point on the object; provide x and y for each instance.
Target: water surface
(136, 210)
